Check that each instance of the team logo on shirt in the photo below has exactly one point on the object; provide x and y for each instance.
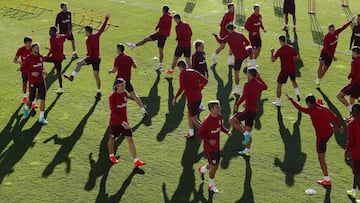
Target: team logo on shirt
(37, 65)
(123, 105)
(216, 131)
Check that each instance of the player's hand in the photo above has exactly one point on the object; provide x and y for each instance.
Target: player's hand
(125, 125)
(214, 34)
(109, 71)
(236, 108)
(287, 95)
(229, 133)
(35, 74)
(174, 102)
(254, 33)
(353, 18)
(335, 59)
(347, 155)
(107, 16)
(341, 130)
(265, 30)
(272, 50)
(212, 142)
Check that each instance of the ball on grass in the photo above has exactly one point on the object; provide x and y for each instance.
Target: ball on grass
(310, 191)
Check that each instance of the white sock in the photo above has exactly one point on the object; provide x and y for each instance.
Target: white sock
(41, 114)
(143, 110)
(211, 181)
(252, 62)
(214, 55)
(98, 90)
(327, 178)
(111, 155)
(246, 133)
(136, 159)
(353, 190)
(203, 169)
(160, 64)
(318, 79)
(191, 132)
(350, 108)
(74, 73)
(74, 52)
(287, 25)
(25, 95)
(294, 25)
(246, 150)
(26, 107)
(34, 102)
(278, 100)
(231, 59)
(297, 91)
(237, 87)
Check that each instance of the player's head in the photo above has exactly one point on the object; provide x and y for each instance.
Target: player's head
(52, 31)
(231, 7)
(214, 107)
(119, 85)
(165, 9)
(256, 8)
(355, 52)
(181, 64)
(88, 30)
(27, 41)
(199, 45)
(310, 100)
(177, 18)
(252, 72)
(282, 39)
(331, 29)
(63, 6)
(120, 48)
(35, 47)
(230, 27)
(355, 110)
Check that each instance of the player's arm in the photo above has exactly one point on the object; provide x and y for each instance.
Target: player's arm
(225, 130)
(113, 70)
(350, 141)
(345, 26)
(261, 82)
(262, 25)
(242, 98)
(220, 40)
(103, 26)
(336, 120)
(247, 25)
(16, 59)
(57, 20)
(246, 42)
(297, 105)
(24, 66)
(180, 90)
(272, 56)
(203, 80)
(190, 31)
(112, 104)
(133, 65)
(352, 39)
(194, 62)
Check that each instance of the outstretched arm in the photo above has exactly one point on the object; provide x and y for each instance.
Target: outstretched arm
(103, 26)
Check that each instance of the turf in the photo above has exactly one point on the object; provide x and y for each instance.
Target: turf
(66, 161)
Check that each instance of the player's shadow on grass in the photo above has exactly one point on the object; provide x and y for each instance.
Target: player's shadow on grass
(248, 195)
(295, 44)
(294, 159)
(175, 115)
(186, 184)
(23, 141)
(102, 166)
(259, 113)
(316, 31)
(278, 8)
(327, 198)
(52, 77)
(151, 103)
(67, 144)
(104, 197)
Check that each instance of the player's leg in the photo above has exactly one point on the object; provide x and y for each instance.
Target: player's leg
(320, 71)
(32, 94)
(24, 87)
(295, 86)
(82, 62)
(98, 83)
(173, 65)
(188, 62)
(42, 96)
(256, 52)
(132, 150)
(72, 40)
(217, 51)
(58, 67)
(352, 192)
(347, 90)
(321, 150)
(294, 21)
(286, 20)
(321, 157)
(113, 134)
(278, 94)
(212, 172)
(138, 101)
(187, 54)
(144, 41)
(237, 89)
(235, 122)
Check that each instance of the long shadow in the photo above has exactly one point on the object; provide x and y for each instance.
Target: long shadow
(278, 8)
(232, 146)
(248, 195)
(175, 115)
(327, 194)
(67, 144)
(23, 141)
(295, 44)
(189, 6)
(294, 158)
(240, 16)
(102, 166)
(259, 113)
(316, 31)
(152, 104)
(51, 78)
(104, 197)
(186, 184)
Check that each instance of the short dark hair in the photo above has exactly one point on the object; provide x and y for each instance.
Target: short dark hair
(27, 39)
(230, 5)
(310, 99)
(118, 82)
(252, 72)
(356, 49)
(230, 26)
(256, 6)
(120, 47)
(177, 16)
(358, 15)
(355, 110)
(282, 38)
(198, 43)
(35, 44)
(213, 103)
(181, 64)
(165, 8)
(53, 29)
(88, 28)
(63, 4)
(331, 26)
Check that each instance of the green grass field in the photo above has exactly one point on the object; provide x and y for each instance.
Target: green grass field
(66, 161)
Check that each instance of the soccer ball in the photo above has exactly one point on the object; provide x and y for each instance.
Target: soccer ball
(310, 191)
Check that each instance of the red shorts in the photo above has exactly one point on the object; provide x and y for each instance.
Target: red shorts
(41, 91)
(326, 59)
(282, 77)
(193, 108)
(160, 39)
(24, 77)
(95, 62)
(321, 144)
(353, 90)
(256, 42)
(118, 130)
(247, 116)
(356, 167)
(179, 51)
(213, 157)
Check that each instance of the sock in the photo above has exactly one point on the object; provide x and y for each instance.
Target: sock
(231, 59)
(74, 52)
(318, 79)
(211, 181)
(25, 95)
(297, 91)
(246, 150)
(41, 114)
(191, 132)
(98, 90)
(143, 110)
(294, 25)
(111, 155)
(252, 62)
(287, 25)
(160, 64)
(136, 159)
(327, 178)
(203, 169)
(246, 133)
(34, 102)
(214, 55)
(278, 100)
(353, 190)
(74, 73)
(237, 87)
(350, 108)
(26, 107)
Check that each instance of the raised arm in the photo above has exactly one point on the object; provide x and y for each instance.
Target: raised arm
(297, 106)
(339, 30)
(103, 26)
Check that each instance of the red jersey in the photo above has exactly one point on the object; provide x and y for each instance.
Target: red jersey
(118, 104)
(123, 63)
(353, 138)
(330, 41)
(56, 51)
(63, 19)
(164, 25)
(183, 34)
(210, 129)
(227, 18)
(287, 55)
(191, 82)
(253, 25)
(237, 43)
(251, 93)
(355, 71)
(93, 42)
(321, 118)
(198, 62)
(33, 63)
(23, 52)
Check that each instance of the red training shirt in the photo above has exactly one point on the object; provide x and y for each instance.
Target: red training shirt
(56, 51)
(253, 25)
(33, 63)
(164, 24)
(191, 82)
(237, 42)
(251, 93)
(353, 138)
(355, 71)
(23, 52)
(330, 41)
(118, 103)
(123, 63)
(287, 55)
(183, 34)
(63, 19)
(227, 18)
(93, 42)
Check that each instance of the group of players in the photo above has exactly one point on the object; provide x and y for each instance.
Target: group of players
(194, 77)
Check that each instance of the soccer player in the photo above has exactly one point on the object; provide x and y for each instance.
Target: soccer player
(191, 82)
(253, 25)
(63, 20)
(288, 57)
(353, 147)
(162, 33)
(183, 36)
(252, 91)
(22, 53)
(328, 51)
(355, 37)
(56, 53)
(93, 55)
(289, 8)
(321, 118)
(198, 59)
(119, 125)
(239, 46)
(228, 18)
(209, 132)
(122, 65)
(352, 89)
(33, 67)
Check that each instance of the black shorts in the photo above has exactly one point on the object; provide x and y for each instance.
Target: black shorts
(128, 86)
(326, 59)
(247, 116)
(353, 90)
(256, 42)
(213, 157)
(289, 7)
(160, 39)
(356, 167)
(71, 36)
(282, 77)
(24, 77)
(57, 64)
(237, 64)
(118, 130)
(41, 91)
(202, 71)
(193, 108)
(95, 62)
(321, 144)
(179, 51)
